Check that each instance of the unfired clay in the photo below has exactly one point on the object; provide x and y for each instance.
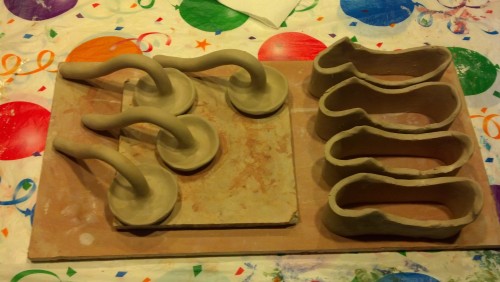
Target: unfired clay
(345, 59)
(355, 150)
(352, 205)
(138, 196)
(185, 143)
(168, 89)
(425, 107)
(255, 90)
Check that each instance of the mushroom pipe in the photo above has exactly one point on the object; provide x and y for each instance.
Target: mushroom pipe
(88, 70)
(123, 165)
(156, 116)
(217, 59)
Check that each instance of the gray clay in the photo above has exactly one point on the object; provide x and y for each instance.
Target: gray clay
(345, 59)
(185, 143)
(138, 196)
(168, 89)
(355, 150)
(255, 90)
(354, 102)
(349, 213)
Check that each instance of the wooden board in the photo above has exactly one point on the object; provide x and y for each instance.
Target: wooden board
(254, 165)
(70, 232)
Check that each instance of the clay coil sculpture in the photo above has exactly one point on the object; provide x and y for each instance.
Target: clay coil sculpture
(359, 150)
(354, 206)
(185, 142)
(139, 195)
(345, 59)
(254, 90)
(169, 89)
(425, 107)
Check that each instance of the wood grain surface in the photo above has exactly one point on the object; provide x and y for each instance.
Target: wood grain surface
(72, 220)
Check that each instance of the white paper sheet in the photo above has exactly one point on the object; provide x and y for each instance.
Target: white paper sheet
(270, 12)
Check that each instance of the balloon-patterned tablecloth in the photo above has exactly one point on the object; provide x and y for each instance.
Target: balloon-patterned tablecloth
(36, 35)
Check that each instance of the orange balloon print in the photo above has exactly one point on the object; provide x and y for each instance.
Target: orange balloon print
(102, 49)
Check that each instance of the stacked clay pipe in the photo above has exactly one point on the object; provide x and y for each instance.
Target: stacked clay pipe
(379, 104)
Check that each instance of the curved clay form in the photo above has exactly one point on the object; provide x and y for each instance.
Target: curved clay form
(168, 89)
(138, 196)
(186, 142)
(353, 102)
(354, 151)
(345, 59)
(461, 196)
(255, 90)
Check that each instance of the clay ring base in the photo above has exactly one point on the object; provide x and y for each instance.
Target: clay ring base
(258, 101)
(178, 102)
(189, 158)
(147, 210)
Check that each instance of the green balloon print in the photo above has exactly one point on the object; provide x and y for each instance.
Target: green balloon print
(475, 72)
(210, 15)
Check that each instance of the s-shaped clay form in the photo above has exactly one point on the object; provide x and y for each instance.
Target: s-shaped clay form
(345, 59)
(168, 89)
(138, 196)
(255, 90)
(357, 150)
(354, 102)
(185, 143)
(353, 206)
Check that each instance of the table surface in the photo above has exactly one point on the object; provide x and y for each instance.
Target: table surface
(34, 39)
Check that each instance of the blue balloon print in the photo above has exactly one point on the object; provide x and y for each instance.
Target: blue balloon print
(30, 187)
(378, 12)
(407, 277)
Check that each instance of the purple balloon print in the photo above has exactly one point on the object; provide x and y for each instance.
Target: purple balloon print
(34, 10)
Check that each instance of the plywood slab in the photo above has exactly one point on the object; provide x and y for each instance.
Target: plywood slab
(65, 229)
(239, 188)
